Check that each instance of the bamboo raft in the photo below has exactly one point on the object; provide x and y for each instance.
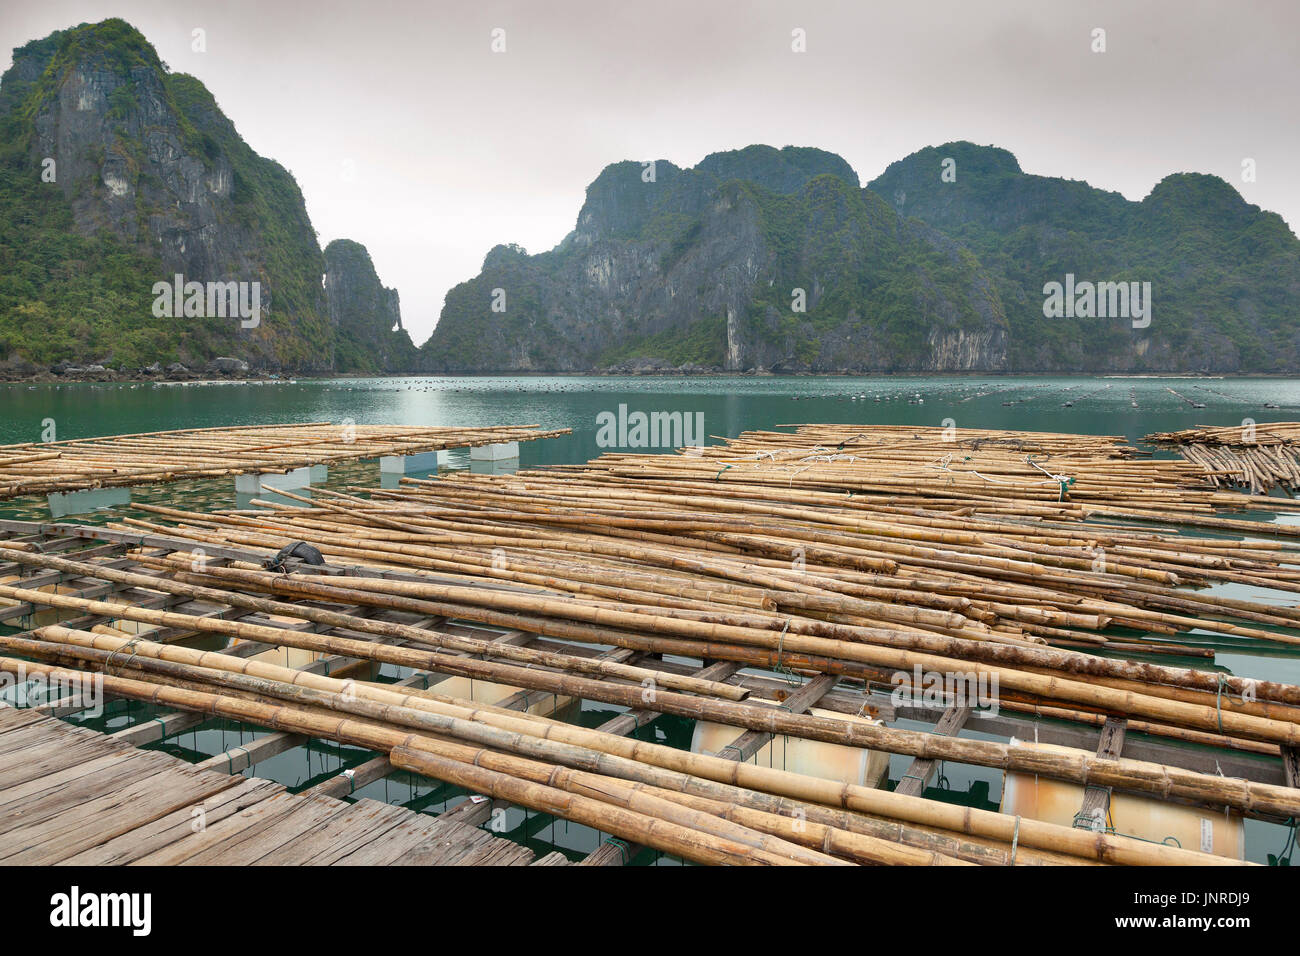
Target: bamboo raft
(157, 457)
(1023, 475)
(76, 797)
(786, 610)
(1256, 458)
(946, 468)
(635, 583)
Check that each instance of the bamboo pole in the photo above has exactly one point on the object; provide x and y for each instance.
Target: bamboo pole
(1079, 767)
(364, 733)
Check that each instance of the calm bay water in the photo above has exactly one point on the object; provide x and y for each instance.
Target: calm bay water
(729, 405)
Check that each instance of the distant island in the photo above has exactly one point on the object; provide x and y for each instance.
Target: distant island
(117, 174)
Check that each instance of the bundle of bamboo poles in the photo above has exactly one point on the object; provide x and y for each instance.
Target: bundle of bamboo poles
(769, 554)
(1259, 433)
(900, 437)
(945, 468)
(152, 457)
(1029, 474)
(1256, 458)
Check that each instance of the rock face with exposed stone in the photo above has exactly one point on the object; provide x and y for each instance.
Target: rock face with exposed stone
(367, 317)
(754, 258)
(779, 260)
(143, 160)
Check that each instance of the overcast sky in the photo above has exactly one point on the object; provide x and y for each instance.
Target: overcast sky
(408, 134)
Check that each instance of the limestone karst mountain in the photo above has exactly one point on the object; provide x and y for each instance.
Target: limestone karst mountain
(117, 174)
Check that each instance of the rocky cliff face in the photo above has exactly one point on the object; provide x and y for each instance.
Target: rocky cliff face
(758, 258)
(117, 175)
(135, 175)
(777, 259)
(366, 316)
(1224, 275)
(123, 165)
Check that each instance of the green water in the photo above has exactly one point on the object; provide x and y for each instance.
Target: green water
(729, 405)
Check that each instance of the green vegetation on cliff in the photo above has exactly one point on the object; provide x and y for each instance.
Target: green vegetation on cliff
(64, 294)
(757, 257)
(116, 174)
(940, 264)
(367, 321)
(701, 266)
(1225, 275)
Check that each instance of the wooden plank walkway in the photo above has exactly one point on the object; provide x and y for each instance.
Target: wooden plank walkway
(69, 795)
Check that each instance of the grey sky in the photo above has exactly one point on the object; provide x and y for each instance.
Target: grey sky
(406, 133)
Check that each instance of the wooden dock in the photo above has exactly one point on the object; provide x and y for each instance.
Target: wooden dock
(69, 795)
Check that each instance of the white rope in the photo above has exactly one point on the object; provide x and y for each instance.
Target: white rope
(940, 464)
(1057, 478)
(829, 459)
(790, 483)
(997, 481)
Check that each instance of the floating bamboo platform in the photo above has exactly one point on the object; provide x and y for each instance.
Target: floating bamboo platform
(72, 796)
(793, 603)
(946, 468)
(1256, 458)
(157, 457)
(788, 615)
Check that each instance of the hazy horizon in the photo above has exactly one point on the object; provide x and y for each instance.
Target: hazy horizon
(408, 134)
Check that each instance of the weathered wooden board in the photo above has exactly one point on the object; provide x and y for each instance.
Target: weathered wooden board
(70, 795)
(176, 826)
